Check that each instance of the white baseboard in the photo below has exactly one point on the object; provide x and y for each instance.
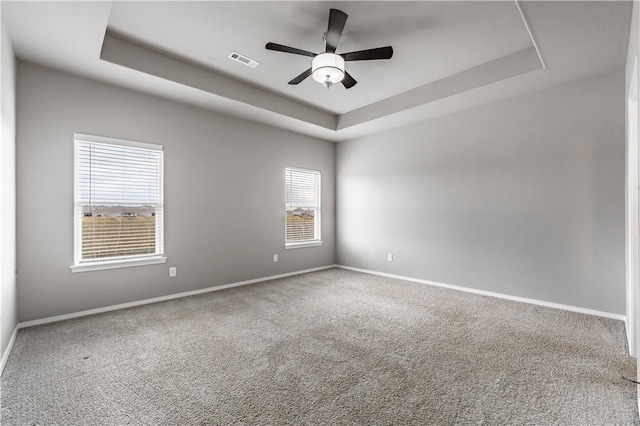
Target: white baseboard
(162, 298)
(7, 351)
(57, 318)
(492, 294)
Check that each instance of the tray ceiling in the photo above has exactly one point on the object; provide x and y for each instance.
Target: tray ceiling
(447, 55)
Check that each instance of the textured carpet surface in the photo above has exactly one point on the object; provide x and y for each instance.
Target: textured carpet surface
(327, 347)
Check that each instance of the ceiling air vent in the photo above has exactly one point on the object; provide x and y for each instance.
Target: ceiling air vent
(243, 59)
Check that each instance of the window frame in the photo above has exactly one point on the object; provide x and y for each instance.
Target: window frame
(317, 241)
(80, 265)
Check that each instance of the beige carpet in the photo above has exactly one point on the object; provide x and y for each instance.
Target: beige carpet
(330, 347)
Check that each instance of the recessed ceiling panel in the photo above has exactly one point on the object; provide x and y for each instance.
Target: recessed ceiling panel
(431, 40)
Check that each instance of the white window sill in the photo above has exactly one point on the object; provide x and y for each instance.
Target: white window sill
(302, 244)
(119, 263)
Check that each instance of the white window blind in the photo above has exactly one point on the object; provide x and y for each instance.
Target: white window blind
(118, 200)
(302, 205)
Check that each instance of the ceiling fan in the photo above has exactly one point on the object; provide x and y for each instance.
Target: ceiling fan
(328, 68)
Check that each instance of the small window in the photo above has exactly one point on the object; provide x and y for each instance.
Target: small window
(302, 207)
(118, 203)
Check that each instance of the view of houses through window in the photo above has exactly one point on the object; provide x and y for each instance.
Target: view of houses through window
(109, 231)
(302, 205)
(119, 199)
(300, 224)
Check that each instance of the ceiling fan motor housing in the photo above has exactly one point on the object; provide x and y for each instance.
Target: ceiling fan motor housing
(328, 68)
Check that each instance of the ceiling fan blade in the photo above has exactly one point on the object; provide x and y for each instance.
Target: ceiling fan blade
(337, 19)
(369, 54)
(287, 49)
(348, 82)
(301, 77)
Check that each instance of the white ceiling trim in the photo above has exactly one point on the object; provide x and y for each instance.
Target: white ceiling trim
(127, 53)
(525, 21)
(500, 69)
(123, 51)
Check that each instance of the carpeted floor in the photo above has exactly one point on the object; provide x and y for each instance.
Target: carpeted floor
(329, 347)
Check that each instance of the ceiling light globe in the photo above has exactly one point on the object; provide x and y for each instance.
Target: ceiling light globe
(327, 67)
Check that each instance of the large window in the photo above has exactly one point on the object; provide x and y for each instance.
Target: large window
(118, 203)
(302, 207)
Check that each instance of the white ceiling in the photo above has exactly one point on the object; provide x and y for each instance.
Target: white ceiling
(447, 55)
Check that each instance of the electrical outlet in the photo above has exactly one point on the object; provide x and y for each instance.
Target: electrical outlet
(390, 257)
(173, 271)
(275, 258)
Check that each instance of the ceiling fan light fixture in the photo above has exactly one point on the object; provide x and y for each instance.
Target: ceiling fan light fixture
(328, 69)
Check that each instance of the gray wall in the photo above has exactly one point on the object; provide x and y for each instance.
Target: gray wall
(8, 302)
(632, 305)
(523, 197)
(633, 49)
(224, 214)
